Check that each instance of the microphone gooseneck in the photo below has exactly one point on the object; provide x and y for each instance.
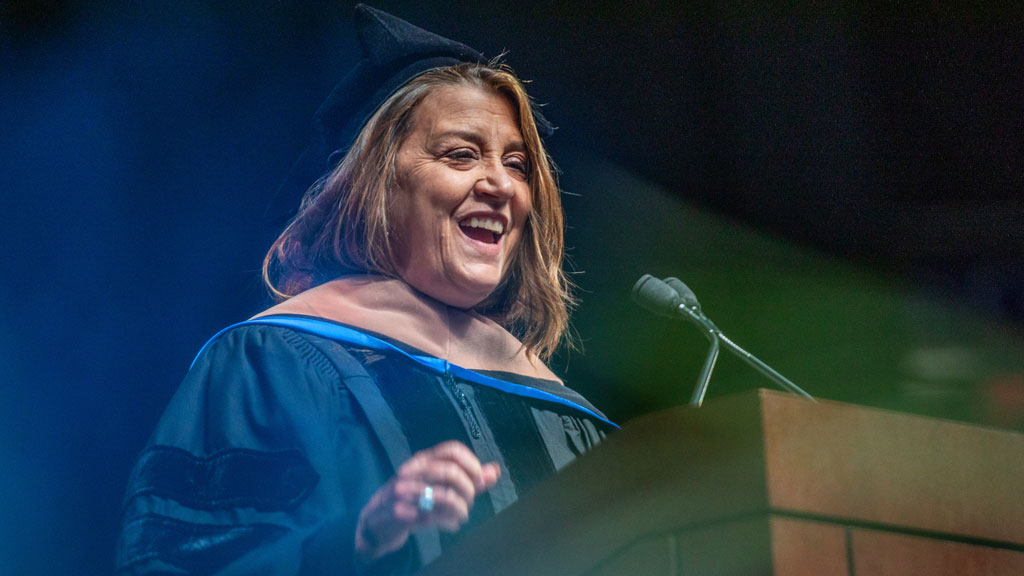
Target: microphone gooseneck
(673, 298)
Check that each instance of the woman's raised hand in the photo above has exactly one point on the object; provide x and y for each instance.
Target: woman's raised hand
(436, 487)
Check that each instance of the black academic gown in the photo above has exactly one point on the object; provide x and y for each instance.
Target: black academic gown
(279, 436)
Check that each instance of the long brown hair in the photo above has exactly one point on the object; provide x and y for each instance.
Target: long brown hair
(342, 225)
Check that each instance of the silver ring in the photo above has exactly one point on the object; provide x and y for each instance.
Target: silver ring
(427, 499)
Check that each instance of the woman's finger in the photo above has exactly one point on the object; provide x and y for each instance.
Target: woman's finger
(450, 464)
(412, 504)
(449, 475)
(448, 510)
(491, 472)
(455, 477)
(460, 454)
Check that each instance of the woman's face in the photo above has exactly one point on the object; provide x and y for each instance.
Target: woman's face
(463, 195)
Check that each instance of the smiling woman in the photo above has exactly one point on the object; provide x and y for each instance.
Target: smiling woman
(396, 396)
(476, 121)
(464, 197)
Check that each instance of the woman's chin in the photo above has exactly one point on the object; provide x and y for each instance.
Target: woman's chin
(457, 286)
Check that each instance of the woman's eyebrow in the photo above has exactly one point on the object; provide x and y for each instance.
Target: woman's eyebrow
(477, 138)
(456, 134)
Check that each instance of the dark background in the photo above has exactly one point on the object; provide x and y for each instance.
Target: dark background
(842, 187)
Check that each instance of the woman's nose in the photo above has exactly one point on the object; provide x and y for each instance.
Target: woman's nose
(496, 181)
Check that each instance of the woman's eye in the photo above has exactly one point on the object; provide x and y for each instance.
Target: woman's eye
(461, 154)
(517, 164)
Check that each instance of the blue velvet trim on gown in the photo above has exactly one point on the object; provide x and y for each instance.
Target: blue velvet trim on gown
(348, 335)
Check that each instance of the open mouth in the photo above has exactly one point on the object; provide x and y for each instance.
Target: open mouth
(487, 230)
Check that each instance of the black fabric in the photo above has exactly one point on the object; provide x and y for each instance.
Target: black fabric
(394, 52)
(262, 389)
(411, 393)
(553, 387)
(270, 481)
(549, 386)
(388, 429)
(429, 409)
(523, 447)
(195, 548)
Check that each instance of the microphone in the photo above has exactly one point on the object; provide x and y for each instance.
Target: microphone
(684, 292)
(656, 296)
(672, 298)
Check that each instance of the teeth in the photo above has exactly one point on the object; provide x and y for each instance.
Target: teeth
(485, 223)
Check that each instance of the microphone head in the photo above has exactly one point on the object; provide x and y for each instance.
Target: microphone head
(685, 294)
(656, 296)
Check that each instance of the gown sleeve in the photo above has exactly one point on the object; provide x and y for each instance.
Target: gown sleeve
(259, 465)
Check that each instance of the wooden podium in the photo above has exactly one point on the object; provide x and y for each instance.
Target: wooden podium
(767, 483)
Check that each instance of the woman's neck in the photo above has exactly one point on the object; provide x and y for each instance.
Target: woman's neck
(394, 309)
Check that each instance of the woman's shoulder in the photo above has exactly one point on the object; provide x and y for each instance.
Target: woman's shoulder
(267, 354)
(253, 342)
